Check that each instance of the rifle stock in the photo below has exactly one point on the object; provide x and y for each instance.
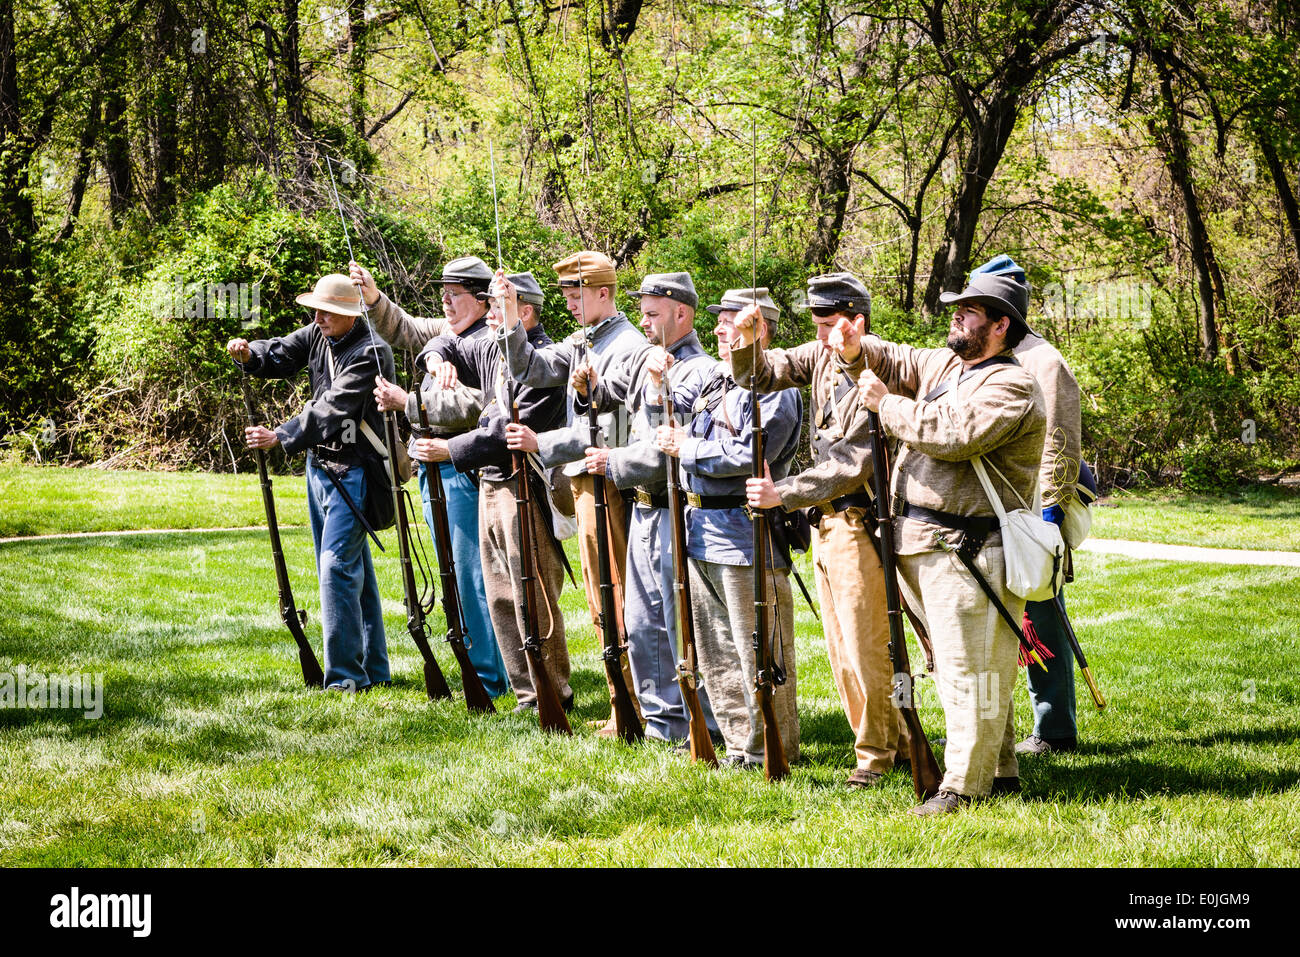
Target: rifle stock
(925, 769)
(435, 685)
(687, 666)
(476, 696)
(293, 617)
(626, 722)
(550, 713)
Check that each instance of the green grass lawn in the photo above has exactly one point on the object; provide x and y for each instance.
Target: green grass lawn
(1262, 517)
(210, 752)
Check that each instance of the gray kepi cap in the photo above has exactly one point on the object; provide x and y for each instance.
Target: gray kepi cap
(841, 291)
(526, 287)
(999, 284)
(468, 271)
(734, 300)
(676, 286)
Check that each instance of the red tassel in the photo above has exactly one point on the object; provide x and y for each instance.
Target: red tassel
(1032, 642)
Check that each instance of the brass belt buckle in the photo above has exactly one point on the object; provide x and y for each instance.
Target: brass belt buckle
(643, 498)
(694, 500)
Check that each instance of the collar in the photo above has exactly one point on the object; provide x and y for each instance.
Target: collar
(684, 343)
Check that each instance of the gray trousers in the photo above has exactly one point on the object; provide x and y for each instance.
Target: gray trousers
(722, 608)
(650, 618)
(498, 525)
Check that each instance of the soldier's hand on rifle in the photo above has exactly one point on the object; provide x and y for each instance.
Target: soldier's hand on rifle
(846, 339)
(507, 298)
(443, 372)
(761, 493)
(583, 377)
(520, 438)
(657, 363)
(238, 349)
(389, 396)
(669, 439)
(430, 450)
(744, 325)
(871, 390)
(363, 280)
(260, 437)
(597, 461)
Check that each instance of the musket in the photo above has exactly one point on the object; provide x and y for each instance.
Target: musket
(925, 769)
(1073, 639)
(435, 685)
(476, 696)
(687, 665)
(767, 673)
(550, 713)
(293, 617)
(626, 722)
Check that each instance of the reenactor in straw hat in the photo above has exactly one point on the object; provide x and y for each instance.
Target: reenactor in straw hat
(342, 357)
(668, 303)
(850, 583)
(605, 335)
(946, 407)
(716, 453)
(451, 412)
(479, 364)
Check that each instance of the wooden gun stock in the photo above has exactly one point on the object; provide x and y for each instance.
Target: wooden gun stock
(775, 765)
(925, 769)
(550, 713)
(293, 617)
(476, 696)
(687, 667)
(435, 685)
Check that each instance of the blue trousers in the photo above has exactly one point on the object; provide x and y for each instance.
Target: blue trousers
(650, 619)
(1051, 692)
(462, 517)
(352, 618)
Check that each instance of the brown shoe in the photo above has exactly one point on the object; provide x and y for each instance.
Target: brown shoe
(864, 778)
(945, 802)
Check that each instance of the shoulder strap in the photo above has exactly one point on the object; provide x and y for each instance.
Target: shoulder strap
(944, 386)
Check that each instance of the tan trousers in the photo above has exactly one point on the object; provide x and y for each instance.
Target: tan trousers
(722, 611)
(974, 662)
(584, 498)
(498, 528)
(851, 590)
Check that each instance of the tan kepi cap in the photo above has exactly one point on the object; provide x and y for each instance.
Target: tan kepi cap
(333, 293)
(738, 299)
(587, 268)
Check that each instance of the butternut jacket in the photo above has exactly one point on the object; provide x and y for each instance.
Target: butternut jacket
(1062, 448)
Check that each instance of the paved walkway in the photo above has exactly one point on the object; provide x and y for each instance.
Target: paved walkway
(1190, 553)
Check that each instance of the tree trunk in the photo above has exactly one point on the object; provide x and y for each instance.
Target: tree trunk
(117, 145)
(1285, 195)
(357, 66)
(1178, 162)
(85, 158)
(166, 107)
(17, 216)
(832, 202)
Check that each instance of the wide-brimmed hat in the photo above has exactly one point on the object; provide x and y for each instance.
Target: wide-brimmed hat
(734, 300)
(999, 284)
(332, 293)
(676, 286)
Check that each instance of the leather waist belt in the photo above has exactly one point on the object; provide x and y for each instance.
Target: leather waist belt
(651, 501)
(716, 501)
(856, 500)
(980, 525)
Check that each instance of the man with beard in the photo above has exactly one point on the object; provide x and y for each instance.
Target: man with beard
(668, 302)
(947, 406)
(850, 583)
(589, 285)
(451, 412)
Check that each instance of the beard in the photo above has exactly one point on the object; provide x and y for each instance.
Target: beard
(968, 344)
